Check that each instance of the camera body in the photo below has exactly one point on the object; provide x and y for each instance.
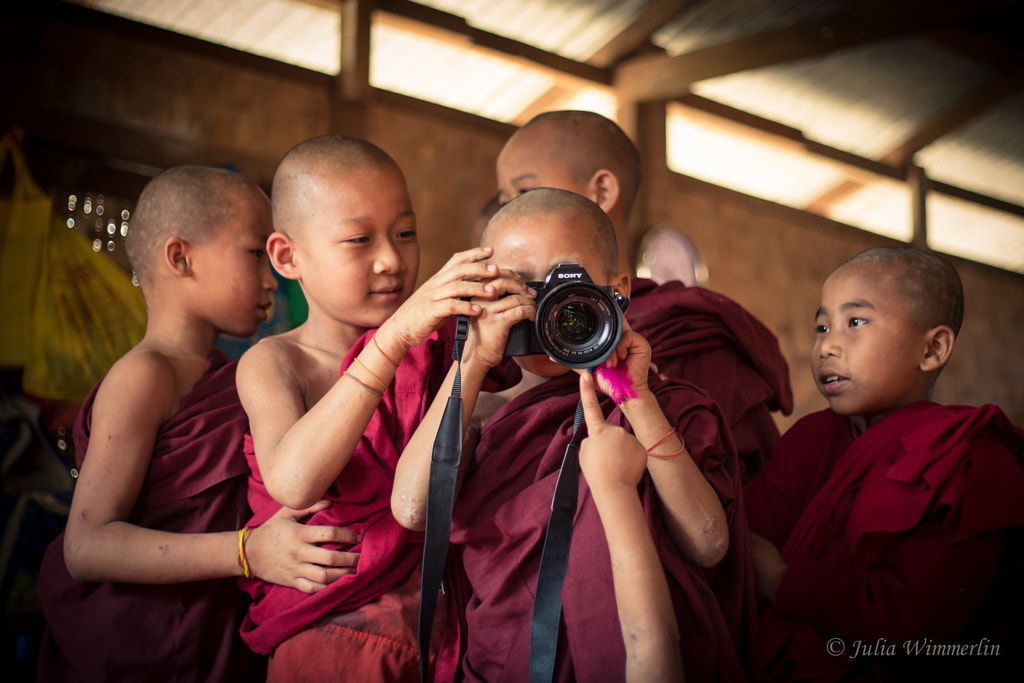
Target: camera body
(578, 323)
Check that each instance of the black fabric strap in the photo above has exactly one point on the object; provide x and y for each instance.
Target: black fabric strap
(444, 469)
(547, 603)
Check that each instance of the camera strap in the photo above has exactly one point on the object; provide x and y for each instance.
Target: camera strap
(444, 469)
(554, 560)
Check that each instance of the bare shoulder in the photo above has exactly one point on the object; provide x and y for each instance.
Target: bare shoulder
(278, 356)
(143, 381)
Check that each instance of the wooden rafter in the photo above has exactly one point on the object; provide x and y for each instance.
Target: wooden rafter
(664, 78)
(638, 33)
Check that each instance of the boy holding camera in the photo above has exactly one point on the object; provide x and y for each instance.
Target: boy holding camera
(690, 491)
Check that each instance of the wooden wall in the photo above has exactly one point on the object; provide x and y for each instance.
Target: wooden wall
(106, 103)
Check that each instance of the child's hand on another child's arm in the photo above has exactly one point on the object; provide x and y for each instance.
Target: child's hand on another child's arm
(613, 462)
(285, 551)
(693, 511)
(768, 566)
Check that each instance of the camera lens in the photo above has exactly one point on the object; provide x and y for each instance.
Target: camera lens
(576, 322)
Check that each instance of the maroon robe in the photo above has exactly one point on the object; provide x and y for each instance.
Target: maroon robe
(361, 500)
(184, 631)
(908, 532)
(705, 338)
(498, 532)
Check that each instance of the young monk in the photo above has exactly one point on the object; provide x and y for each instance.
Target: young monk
(613, 463)
(893, 514)
(330, 409)
(695, 334)
(140, 585)
(690, 492)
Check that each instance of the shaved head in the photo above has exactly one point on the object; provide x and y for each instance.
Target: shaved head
(307, 165)
(542, 202)
(926, 282)
(188, 202)
(586, 143)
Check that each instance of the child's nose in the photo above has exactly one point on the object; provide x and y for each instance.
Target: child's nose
(828, 346)
(267, 275)
(387, 260)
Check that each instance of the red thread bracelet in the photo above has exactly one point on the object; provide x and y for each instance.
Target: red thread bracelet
(682, 447)
(382, 351)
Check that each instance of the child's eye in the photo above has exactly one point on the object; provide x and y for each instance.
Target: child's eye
(406, 234)
(821, 329)
(857, 322)
(258, 253)
(357, 240)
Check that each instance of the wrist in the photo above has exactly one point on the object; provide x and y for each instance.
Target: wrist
(390, 343)
(643, 402)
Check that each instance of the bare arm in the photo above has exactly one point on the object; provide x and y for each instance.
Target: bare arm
(101, 545)
(693, 511)
(135, 398)
(613, 462)
(301, 451)
(483, 350)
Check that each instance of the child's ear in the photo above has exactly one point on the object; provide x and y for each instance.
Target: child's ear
(622, 284)
(604, 189)
(176, 256)
(281, 251)
(940, 347)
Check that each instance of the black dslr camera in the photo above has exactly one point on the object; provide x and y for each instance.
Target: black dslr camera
(578, 323)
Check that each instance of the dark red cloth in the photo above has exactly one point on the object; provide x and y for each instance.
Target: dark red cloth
(361, 500)
(904, 533)
(187, 631)
(498, 529)
(705, 338)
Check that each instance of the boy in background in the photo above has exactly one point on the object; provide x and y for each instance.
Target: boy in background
(888, 523)
(141, 584)
(695, 334)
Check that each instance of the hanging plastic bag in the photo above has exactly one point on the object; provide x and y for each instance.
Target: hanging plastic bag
(24, 226)
(87, 314)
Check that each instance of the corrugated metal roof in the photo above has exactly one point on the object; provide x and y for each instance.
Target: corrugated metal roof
(867, 100)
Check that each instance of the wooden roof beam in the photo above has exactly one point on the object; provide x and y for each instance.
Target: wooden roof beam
(513, 48)
(663, 78)
(972, 105)
(638, 33)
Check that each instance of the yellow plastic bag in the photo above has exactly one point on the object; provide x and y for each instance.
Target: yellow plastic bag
(87, 314)
(24, 227)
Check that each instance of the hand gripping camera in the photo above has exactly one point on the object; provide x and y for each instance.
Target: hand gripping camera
(578, 323)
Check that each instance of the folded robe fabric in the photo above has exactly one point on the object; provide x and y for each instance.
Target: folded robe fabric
(361, 501)
(898, 534)
(186, 631)
(498, 530)
(705, 338)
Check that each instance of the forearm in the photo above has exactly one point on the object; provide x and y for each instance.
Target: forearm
(644, 604)
(122, 552)
(693, 512)
(412, 475)
(312, 453)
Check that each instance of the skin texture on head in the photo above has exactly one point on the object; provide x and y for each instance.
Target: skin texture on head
(885, 328)
(579, 151)
(540, 229)
(190, 203)
(346, 231)
(312, 164)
